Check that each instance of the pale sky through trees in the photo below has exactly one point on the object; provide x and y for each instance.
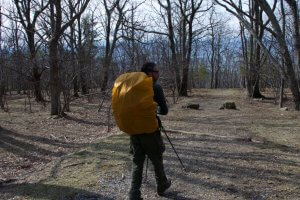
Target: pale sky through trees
(145, 11)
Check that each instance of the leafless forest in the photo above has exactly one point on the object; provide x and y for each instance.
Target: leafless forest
(57, 50)
(58, 63)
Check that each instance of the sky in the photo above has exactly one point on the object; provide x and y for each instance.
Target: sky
(147, 10)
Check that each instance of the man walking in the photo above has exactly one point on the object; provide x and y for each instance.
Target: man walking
(150, 144)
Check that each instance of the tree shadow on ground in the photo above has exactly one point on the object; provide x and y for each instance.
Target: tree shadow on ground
(48, 191)
(26, 145)
(44, 140)
(200, 153)
(229, 189)
(82, 121)
(262, 143)
(209, 158)
(24, 149)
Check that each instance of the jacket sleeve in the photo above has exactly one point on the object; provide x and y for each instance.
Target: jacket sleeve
(160, 99)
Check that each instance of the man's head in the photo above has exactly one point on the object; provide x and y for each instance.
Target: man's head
(151, 70)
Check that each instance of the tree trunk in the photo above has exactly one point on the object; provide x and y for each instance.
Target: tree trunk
(2, 93)
(253, 87)
(75, 84)
(259, 29)
(216, 84)
(212, 59)
(83, 81)
(281, 93)
(36, 78)
(243, 69)
(184, 83)
(296, 26)
(171, 37)
(74, 63)
(174, 64)
(82, 74)
(55, 88)
(256, 79)
(243, 82)
(36, 75)
(218, 61)
(212, 76)
(293, 84)
(106, 66)
(256, 89)
(82, 63)
(249, 75)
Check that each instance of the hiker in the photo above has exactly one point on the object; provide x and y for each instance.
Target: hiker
(150, 144)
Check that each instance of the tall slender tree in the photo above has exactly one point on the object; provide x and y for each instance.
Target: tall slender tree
(186, 33)
(57, 29)
(114, 16)
(2, 86)
(188, 10)
(28, 14)
(168, 8)
(253, 75)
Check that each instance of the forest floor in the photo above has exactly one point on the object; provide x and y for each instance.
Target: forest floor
(249, 153)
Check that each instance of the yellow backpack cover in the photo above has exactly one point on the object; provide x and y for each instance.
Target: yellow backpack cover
(132, 102)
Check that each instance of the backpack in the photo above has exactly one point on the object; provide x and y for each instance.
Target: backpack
(132, 103)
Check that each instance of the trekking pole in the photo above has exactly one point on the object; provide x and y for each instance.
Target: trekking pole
(146, 169)
(182, 166)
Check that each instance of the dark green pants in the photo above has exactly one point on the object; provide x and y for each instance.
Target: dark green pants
(151, 145)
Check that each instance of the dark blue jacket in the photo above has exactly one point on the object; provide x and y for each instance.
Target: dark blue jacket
(160, 99)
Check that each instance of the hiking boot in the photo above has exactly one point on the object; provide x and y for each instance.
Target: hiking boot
(163, 188)
(135, 195)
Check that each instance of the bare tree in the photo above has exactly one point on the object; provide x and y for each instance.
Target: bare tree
(17, 57)
(213, 53)
(282, 9)
(28, 13)
(114, 11)
(132, 39)
(188, 11)
(74, 56)
(81, 58)
(80, 40)
(2, 86)
(217, 47)
(253, 75)
(251, 50)
(171, 36)
(277, 32)
(57, 29)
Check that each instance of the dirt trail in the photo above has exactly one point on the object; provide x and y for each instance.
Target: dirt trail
(249, 153)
